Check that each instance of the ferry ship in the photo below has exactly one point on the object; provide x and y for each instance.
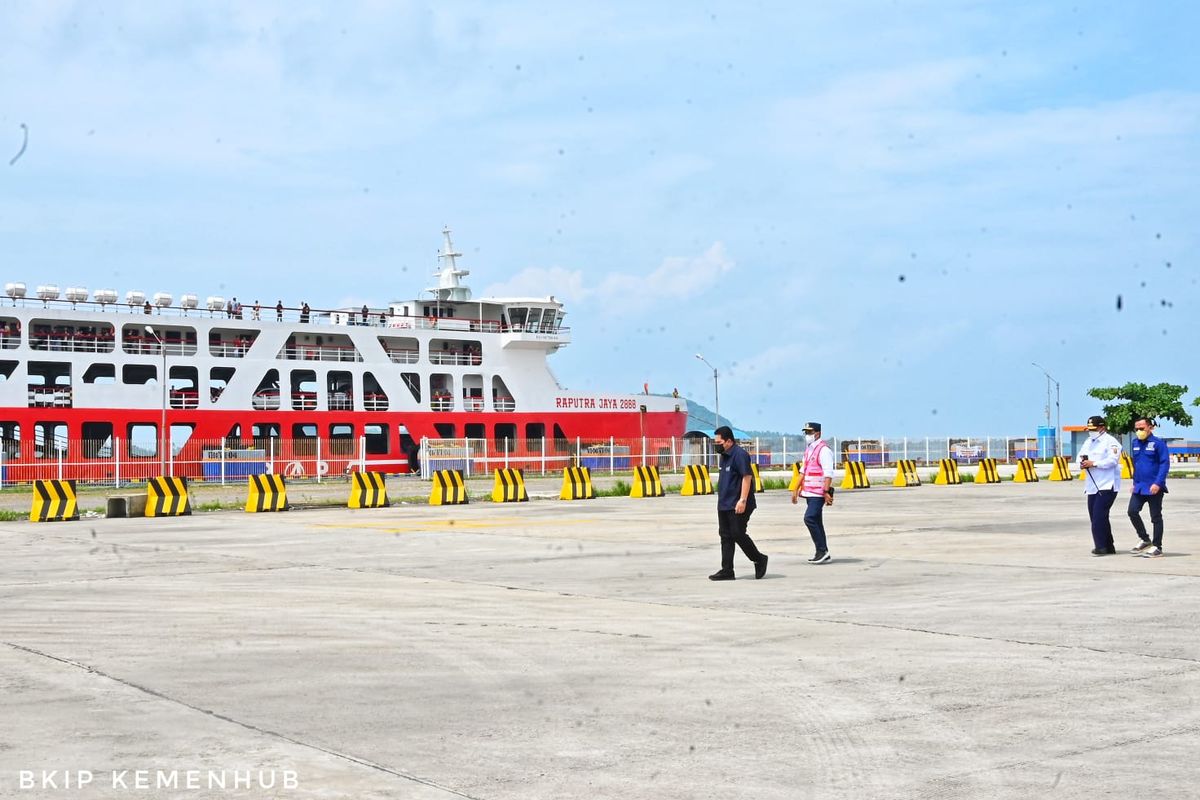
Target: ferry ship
(82, 380)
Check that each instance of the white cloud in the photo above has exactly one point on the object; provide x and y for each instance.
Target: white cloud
(618, 294)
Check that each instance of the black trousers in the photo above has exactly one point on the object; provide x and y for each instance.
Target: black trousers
(814, 519)
(732, 527)
(1098, 507)
(1135, 516)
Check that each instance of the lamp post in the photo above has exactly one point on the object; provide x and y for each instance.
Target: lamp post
(1057, 409)
(164, 439)
(716, 392)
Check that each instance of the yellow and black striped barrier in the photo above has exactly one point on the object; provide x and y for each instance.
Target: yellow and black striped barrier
(646, 483)
(1061, 471)
(856, 476)
(449, 488)
(758, 484)
(1026, 471)
(795, 481)
(947, 473)
(367, 490)
(988, 472)
(167, 497)
(577, 484)
(1126, 466)
(509, 486)
(54, 501)
(906, 473)
(696, 480)
(267, 493)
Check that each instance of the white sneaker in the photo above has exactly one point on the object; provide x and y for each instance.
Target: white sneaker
(1153, 552)
(822, 557)
(1140, 548)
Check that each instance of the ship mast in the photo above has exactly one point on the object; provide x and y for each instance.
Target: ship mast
(450, 287)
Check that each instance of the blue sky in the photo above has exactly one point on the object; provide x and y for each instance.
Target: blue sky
(873, 214)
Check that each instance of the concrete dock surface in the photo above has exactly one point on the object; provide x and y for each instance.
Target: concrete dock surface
(962, 644)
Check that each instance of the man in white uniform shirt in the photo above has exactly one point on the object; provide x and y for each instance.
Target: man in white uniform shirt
(1100, 459)
(816, 487)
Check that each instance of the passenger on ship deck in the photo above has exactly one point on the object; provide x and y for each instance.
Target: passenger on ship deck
(735, 504)
(255, 313)
(279, 311)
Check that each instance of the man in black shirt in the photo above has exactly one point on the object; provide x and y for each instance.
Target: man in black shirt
(735, 504)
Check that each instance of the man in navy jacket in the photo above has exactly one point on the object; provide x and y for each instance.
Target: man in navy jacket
(1151, 462)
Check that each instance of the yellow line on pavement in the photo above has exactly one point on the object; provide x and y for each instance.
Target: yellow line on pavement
(449, 524)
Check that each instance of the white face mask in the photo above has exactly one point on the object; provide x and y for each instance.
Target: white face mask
(810, 437)
(1093, 435)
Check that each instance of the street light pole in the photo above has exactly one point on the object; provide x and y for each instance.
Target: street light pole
(1057, 408)
(716, 390)
(164, 440)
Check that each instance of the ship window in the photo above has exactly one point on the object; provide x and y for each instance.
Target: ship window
(304, 389)
(6, 369)
(341, 439)
(413, 381)
(234, 437)
(143, 440)
(218, 379)
(516, 317)
(183, 387)
(374, 398)
(535, 430)
(376, 439)
(506, 434)
(50, 439)
(10, 333)
(97, 439)
(534, 319)
(266, 396)
(441, 391)
(445, 429)
(341, 391)
(560, 440)
(265, 430)
(180, 435)
(10, 439)
(100, 373)
(304, 439)
(139, 374)
(475, 430)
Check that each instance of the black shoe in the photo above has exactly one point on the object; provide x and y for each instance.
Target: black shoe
(821, 557)
(722, 575)
(1104, 551)
(760, 567)
(1110, 550)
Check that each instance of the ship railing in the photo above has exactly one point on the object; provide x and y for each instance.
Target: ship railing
(229, 349)
(50, 397)
(504, 404)
(304, 401)
(454, 358)
(441, 403)
(153, 348)
(320, 353)
(184, 398)
(10, 341)
(71, 343)
(397, 356)
(375, 402)
(341, 401)
(266, 400)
